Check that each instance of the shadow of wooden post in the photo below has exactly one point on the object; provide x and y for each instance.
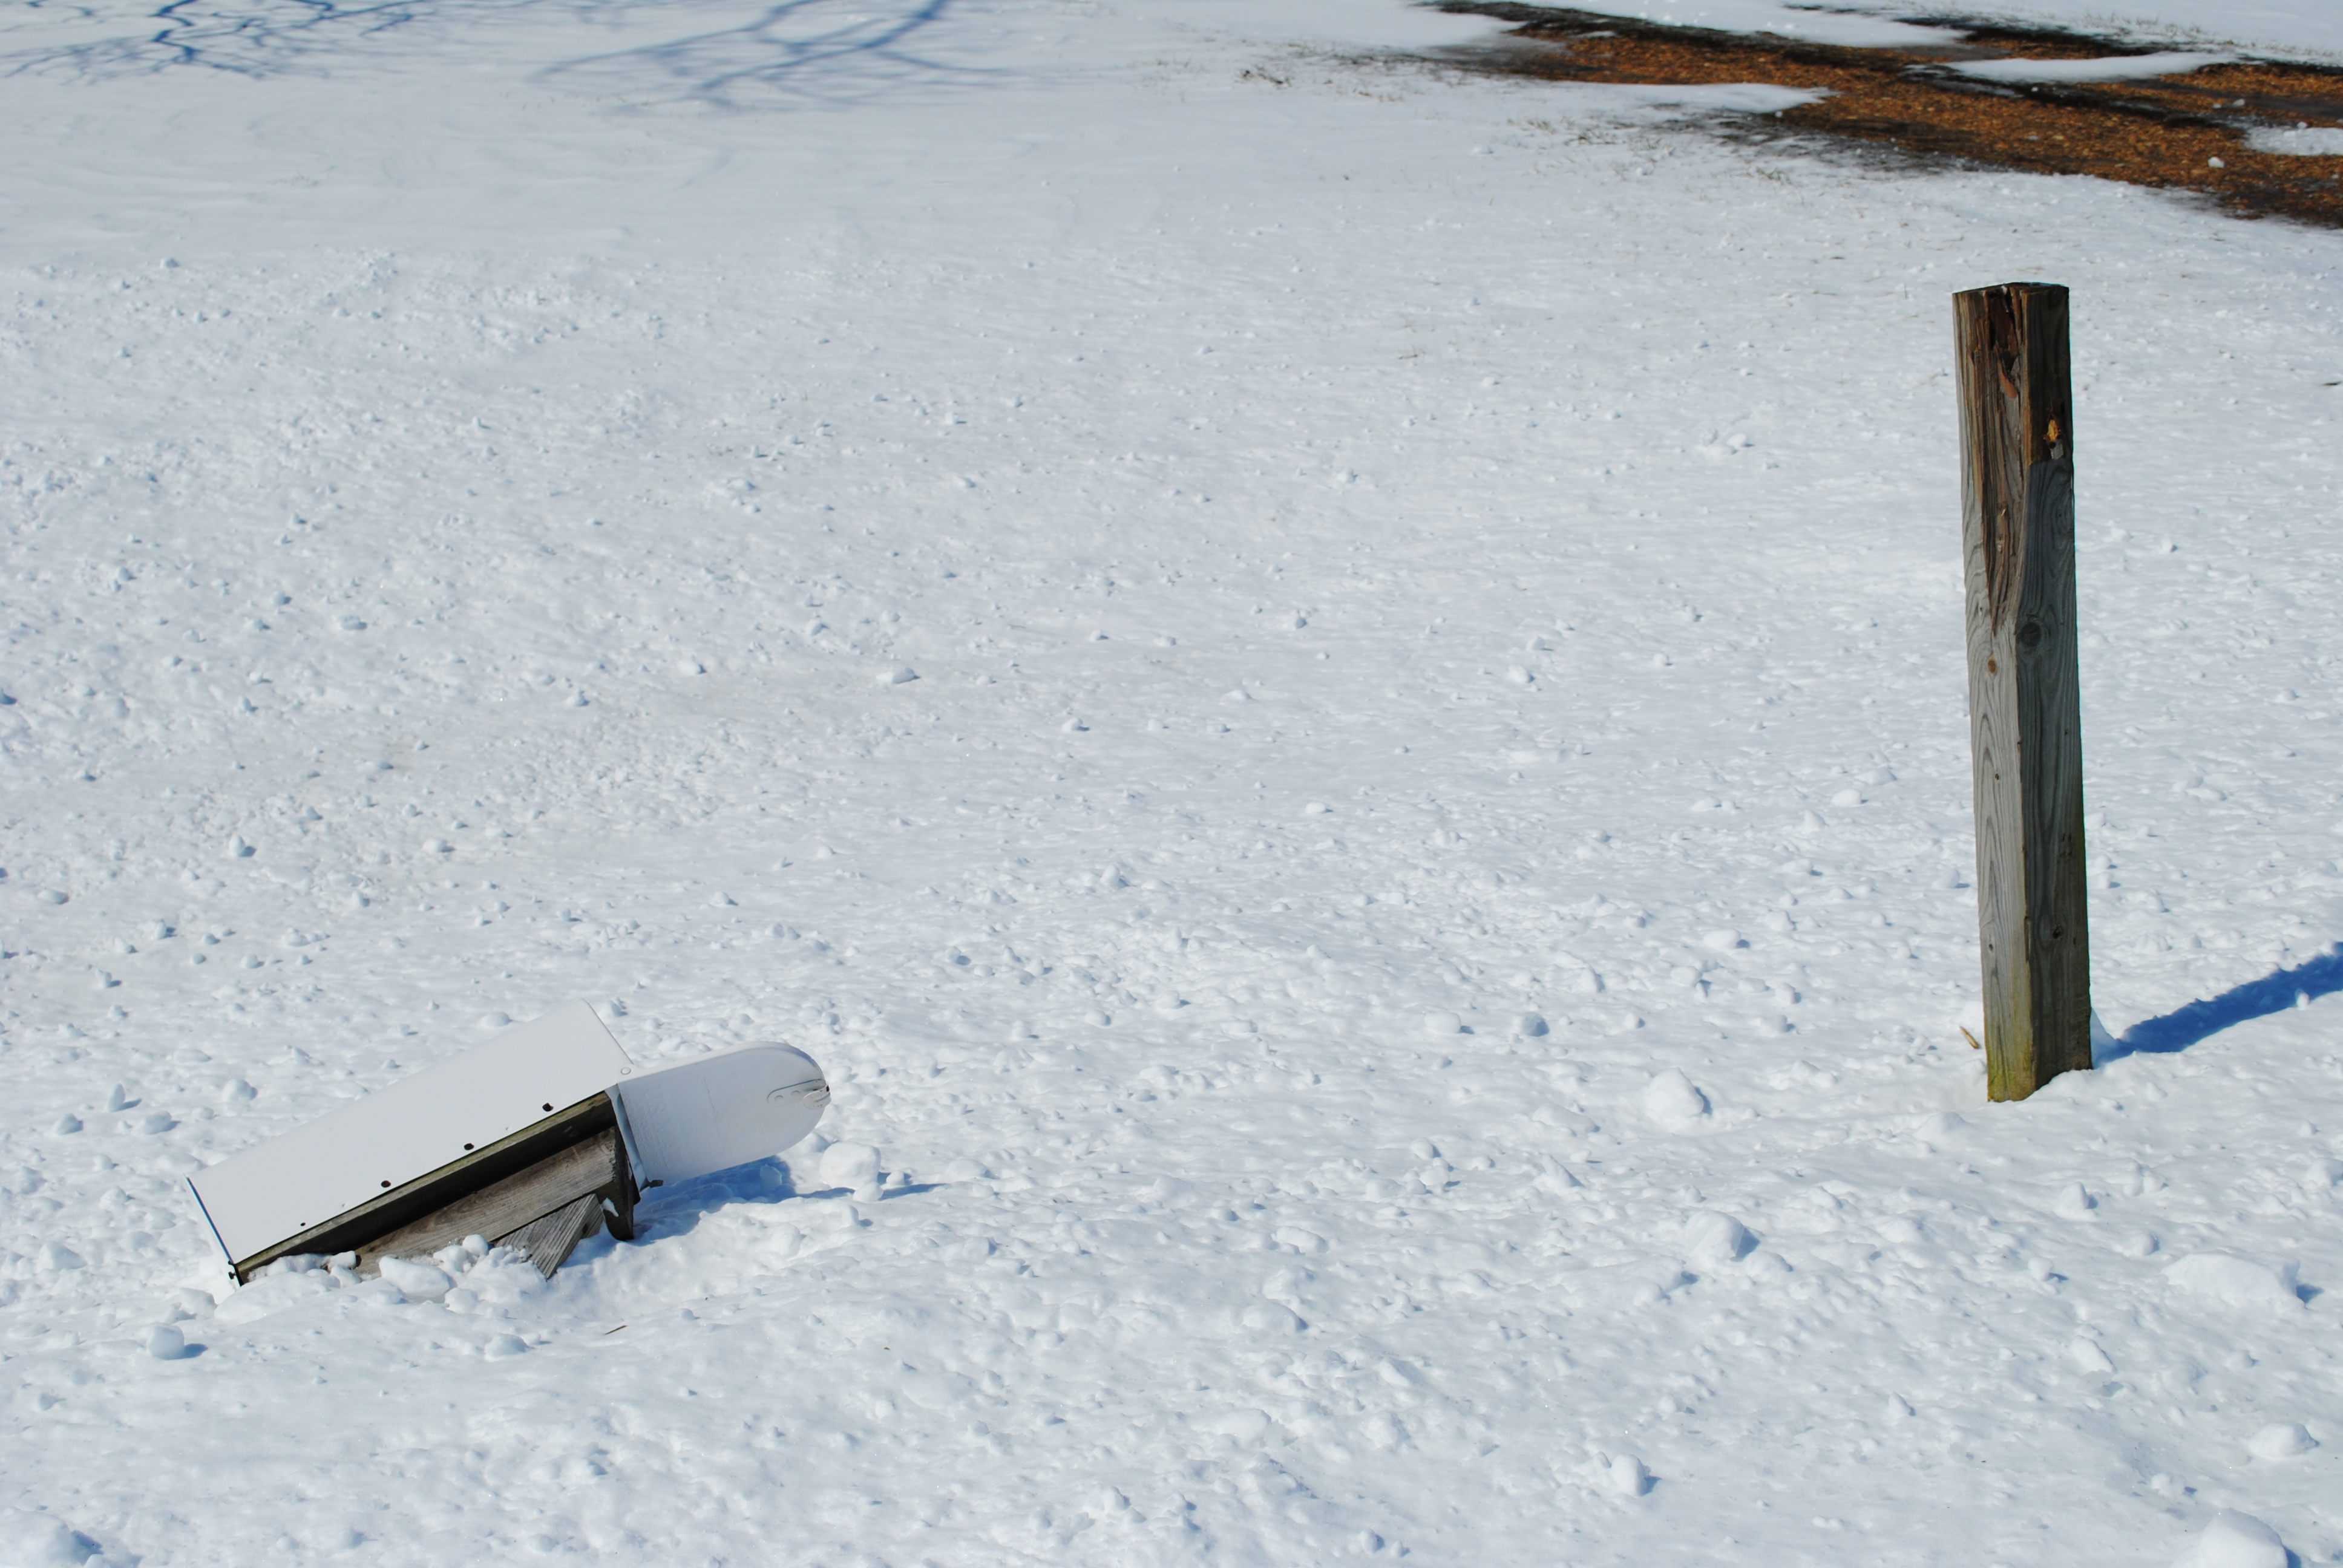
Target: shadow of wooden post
(2025, 730)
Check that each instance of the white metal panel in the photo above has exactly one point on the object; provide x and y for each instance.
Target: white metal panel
(713, 1112)
(362, 1149)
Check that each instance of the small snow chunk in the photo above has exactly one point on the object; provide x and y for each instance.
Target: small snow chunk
(416, 1281)
(1555, 1178)
(1723, 941)
(495, 1020)
(1530, 1025)
(235, 1090)
(1316, 808)
(237, 849)
(966, 1169)
(2321, 1174)
(67, 1125)
(156, 1121)
(1244, 1425)
(900, 674)
(504, 1345)
(39, 1541)
(2074, 1201)
(2282, 1441)
(2236, 1540)
(1626, 1475)
(1299, 1240)
(1518, 675)
(1713, 1238)
(56, 1257)
(1269, 1318)
(853, 1165)
(1671, 1099)
(2236, 1282)
(2087, 1354)
(1440, 1025)
(166, 1343)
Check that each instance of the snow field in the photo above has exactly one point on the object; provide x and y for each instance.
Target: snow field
(1392, 981)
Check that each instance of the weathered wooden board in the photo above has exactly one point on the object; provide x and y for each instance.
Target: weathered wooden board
(595, 1169)
(2017, 535)
(550, 1240)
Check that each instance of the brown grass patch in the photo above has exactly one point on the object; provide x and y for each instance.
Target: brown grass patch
(2161, 131)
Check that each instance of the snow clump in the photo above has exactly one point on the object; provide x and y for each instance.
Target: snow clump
(1716, 1239)
(39, 1541)
(417, 1282)
(853, 1165)
(2087, 1354)
(2282, 1441)
(2236, 1282)
(1671, 1099)
(2236, 1540)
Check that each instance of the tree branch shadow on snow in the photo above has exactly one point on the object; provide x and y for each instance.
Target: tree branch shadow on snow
(253, 38)
(2275, 992)
(809, 52)
(814, 52)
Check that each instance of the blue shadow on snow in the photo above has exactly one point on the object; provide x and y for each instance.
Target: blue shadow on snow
(2275, 992)
(806, 52)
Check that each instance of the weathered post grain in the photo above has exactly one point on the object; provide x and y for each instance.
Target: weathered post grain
(2017, 538)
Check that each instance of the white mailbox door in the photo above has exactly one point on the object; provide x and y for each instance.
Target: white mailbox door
(408, 1129)
(713, 1112)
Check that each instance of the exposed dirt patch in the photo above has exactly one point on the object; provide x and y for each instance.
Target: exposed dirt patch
(2185, 131)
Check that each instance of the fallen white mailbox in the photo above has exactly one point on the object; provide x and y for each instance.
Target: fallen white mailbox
(535, 1139)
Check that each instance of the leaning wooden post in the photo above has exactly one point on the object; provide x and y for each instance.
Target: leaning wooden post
(2026, 729)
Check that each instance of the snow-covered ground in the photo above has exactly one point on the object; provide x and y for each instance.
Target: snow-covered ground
(1404, 948)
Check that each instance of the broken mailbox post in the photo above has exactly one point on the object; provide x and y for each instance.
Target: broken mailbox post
(535, 1139)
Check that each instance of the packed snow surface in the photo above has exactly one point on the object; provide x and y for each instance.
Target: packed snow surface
(2302, 141)
(2110, 68)
(1330, 693)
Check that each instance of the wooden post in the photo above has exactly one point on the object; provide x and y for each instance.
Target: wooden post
(2026, 729)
